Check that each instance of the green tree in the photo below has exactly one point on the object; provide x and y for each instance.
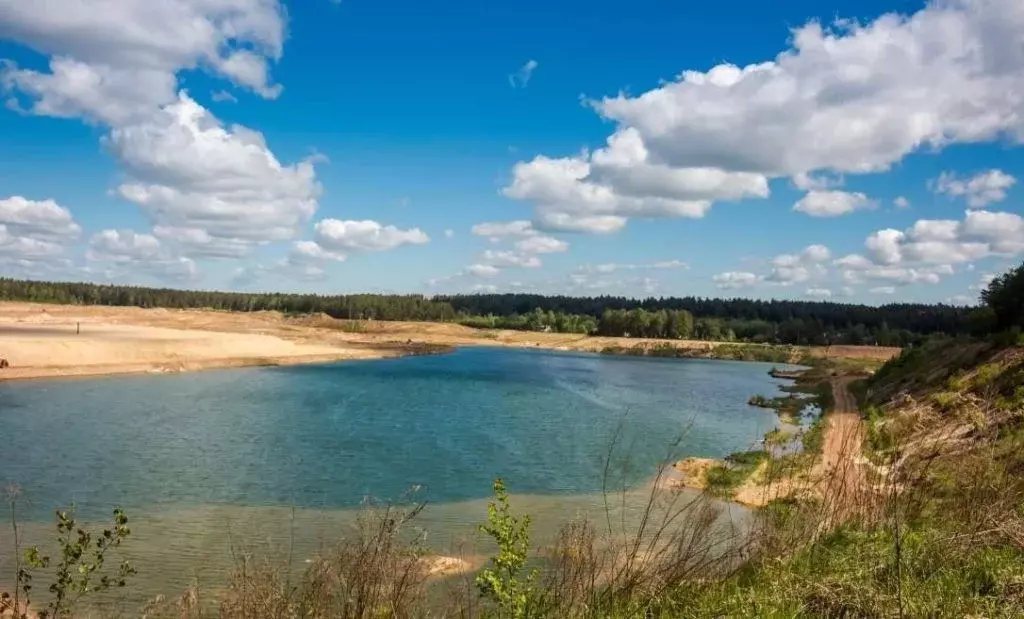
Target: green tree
(1005, 296)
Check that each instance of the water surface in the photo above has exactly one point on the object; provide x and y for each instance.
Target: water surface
(193, 457)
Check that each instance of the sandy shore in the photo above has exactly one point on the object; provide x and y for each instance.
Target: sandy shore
(42, 341)
(52, 341)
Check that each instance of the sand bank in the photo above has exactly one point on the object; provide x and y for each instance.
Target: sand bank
(41, 340)
(54, 342)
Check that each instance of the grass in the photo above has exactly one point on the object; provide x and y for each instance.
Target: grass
(723, 479)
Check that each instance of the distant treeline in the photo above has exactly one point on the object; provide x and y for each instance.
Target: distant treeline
(748, 320)
(354, 306)
(741, 320)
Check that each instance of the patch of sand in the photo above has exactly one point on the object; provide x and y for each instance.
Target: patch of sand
(40, 340)
(43, 341)
(689, 473)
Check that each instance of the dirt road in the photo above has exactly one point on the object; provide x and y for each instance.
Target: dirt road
(843, 481)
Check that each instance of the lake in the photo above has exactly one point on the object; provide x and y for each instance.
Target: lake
(267, 452)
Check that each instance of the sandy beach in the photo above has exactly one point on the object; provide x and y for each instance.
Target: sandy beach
(41, 341)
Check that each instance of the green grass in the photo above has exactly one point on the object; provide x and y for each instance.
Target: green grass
(722, 479)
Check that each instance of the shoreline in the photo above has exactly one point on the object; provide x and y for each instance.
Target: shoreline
(42, 341)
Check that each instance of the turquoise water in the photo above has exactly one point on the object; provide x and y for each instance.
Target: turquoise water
(265, 457)
(327, 436)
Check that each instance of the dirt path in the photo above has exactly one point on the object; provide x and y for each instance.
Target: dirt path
(843, 481)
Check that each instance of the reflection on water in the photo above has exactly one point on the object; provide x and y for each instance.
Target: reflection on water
(207, 462)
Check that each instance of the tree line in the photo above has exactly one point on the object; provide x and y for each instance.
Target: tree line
(741, 320)
(747, 320)
(354, 306)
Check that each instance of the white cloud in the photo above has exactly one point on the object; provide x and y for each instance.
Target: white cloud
(130, 252)
(980, 190)
(789, 269)
(485, 288)
(303, 252)
(189, 171)
(367, 235)
(210, 189)
(882, 290)
(115, 62)
(521, 78)
(34, 236)
(821, 293)
(504, 228)
(541, 245)
(482, 270)
(901, 202)
(123, 246)
(734, 280)
(850, 98)
(510, 259)
(598, 192)
(42, 220)
(199, 242)
(832, 203)
(943, 241)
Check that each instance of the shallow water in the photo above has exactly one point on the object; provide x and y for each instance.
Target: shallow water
(209, 460)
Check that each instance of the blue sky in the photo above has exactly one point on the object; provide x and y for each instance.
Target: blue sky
(856, 151)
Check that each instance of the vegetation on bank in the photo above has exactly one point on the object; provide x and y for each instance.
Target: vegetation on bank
(723, 478)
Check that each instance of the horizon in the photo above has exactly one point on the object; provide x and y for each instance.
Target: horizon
(863, 153)
(434, 296)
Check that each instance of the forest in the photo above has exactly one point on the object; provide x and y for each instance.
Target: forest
(740, 320)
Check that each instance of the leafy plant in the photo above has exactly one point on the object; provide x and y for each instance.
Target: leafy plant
(506, 583)
(78, 570)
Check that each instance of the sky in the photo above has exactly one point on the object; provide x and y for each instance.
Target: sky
(855, 151)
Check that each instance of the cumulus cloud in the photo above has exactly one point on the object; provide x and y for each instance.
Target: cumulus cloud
(901, 202)
(734, 280)
(821, 293)
(832, 203)
(366, 235)
(845, 98)
(123, 246)
(521, 78)
(130, 252)
(41, 220)
(948, 74)
(189, 171)
(943, 241)
(116, 62)
(980, 190)
(210, 189)
(789, 269)
(882, 290)
(598, 192)
(34, 235)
